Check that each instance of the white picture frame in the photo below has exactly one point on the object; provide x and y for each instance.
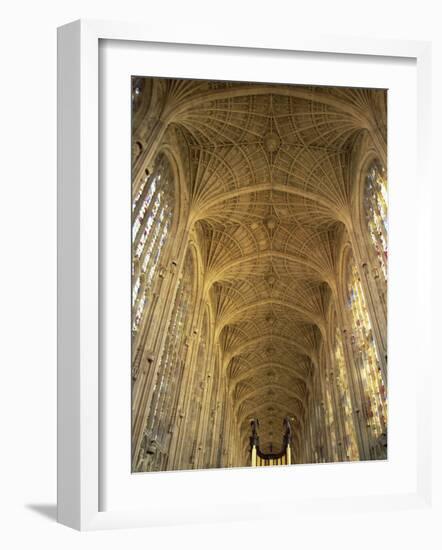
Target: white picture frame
(79, 294)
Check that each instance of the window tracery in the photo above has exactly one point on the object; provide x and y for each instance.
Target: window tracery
(373, 389)
(344, 399)
(376, 213)
(198, 387)
(152, 212)
(172, 361)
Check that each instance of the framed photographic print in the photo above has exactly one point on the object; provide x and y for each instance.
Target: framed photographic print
(234, 233)
(252, 338)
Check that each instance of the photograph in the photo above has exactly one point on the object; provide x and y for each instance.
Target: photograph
(259, 268)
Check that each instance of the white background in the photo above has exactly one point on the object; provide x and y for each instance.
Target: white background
(28, 274)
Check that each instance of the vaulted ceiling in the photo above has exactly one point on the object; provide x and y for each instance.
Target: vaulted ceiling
(270, 194)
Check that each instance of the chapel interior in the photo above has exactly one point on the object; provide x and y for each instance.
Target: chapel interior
(259, 274)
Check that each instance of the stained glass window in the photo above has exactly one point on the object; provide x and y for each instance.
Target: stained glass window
(344, 399)
(373, 389)
(170, 370)
(198, 387)
(152, 211)
(376, 213)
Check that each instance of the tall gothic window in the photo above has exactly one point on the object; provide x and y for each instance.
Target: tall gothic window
(330, 417)
(344, 399)
(199, 382)
(376, 212)
(373, 391)
(163, 406)
(152, 211)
